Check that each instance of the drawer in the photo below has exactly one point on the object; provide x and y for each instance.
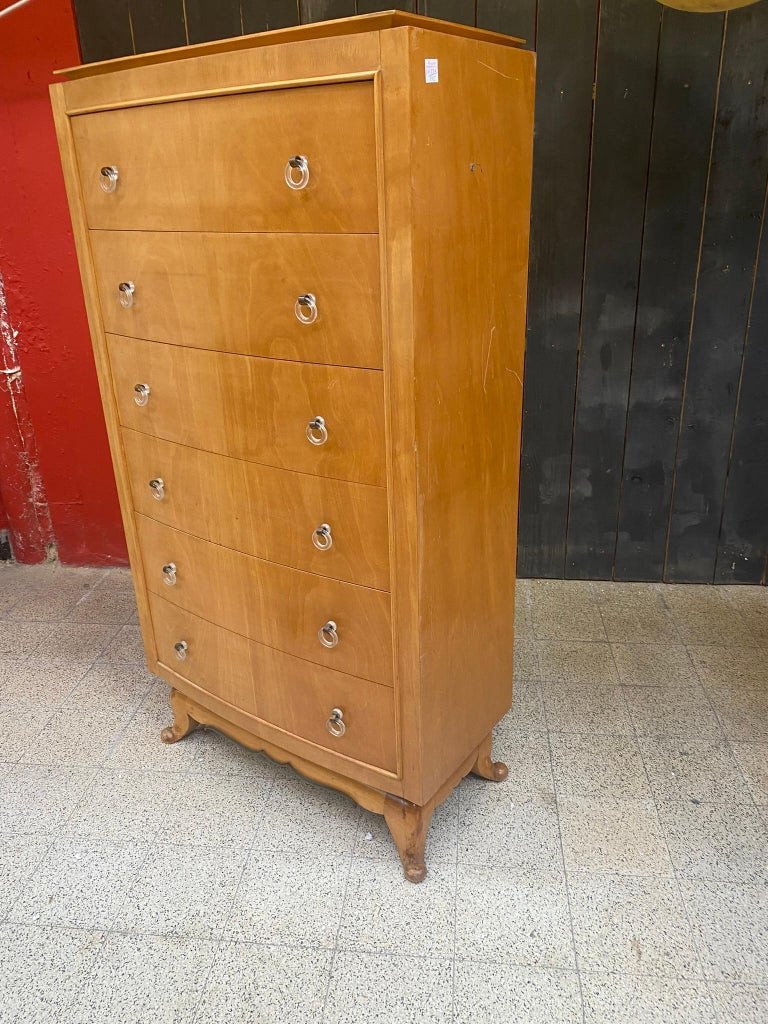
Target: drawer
(254, 409)
(240, 292)
(272, 513)
(219, 164)
(286, 692)
(272, 604)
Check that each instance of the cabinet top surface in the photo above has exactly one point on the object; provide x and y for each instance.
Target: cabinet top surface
(298, 33)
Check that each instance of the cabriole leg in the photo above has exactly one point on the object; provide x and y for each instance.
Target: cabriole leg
(408, 825)
(183, 723)
(485, 766)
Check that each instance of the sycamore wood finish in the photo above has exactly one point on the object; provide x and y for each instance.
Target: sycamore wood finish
(271, 513)
(244, 288)
(253, 408)
(380, 665)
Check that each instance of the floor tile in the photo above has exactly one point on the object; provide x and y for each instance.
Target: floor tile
(671, 711)
(371, 989)
(19, 856)
(152, 979)
(19, 729)
(704, 616)
(290, 900)
(752, 605)
(111, 601)
(731, 667)
(753, 761)
(595, 765)
(37, 682)
(523, 610)
(526, 660)
(79, 885)
(727, 842)
(729, 922)
(513, 917)
(631, 925)
(42, 969)
(623, 836)
(565, 610)
(634, 613)
(744, 713)
(125, 806)
(300, 817)
(217, 810)
(74, 737)
(688, 768)
(526, 713)
(182, 890)
(619, 999)
(20, 639)
(504, 831)
(109, 687)
(576, 662)
(141, 747)
(374, 840)
(217, 754)
(586, 708)
(268, 984)
(643, 664)
(503, 994)
(73, 643)
(739, 1004)
(126, 646)
(384, 913)
(51, 595)
(37, 799)
(530, 768)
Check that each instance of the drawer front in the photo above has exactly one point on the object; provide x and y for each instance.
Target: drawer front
(254, 409)
(269, 603)
(293, 695)
(245, 292)
(272, 513)
(219, 164)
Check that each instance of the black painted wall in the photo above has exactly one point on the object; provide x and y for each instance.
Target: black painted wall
(645, 435)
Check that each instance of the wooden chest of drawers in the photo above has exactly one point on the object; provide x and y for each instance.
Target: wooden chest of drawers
(304, 261)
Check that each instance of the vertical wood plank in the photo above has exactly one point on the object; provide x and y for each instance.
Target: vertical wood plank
(206, 20)
(743, 548)
(626, 73)
(689, 59)
(565, 71)
(104, 29)
(732, 222)
(264, 15)
(157, 26)
(325, 10)
(515, 17)
(461, 11)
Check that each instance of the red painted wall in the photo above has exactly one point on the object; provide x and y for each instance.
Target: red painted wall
(45, 304)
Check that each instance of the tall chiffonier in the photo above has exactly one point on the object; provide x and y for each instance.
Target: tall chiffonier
(304, 260)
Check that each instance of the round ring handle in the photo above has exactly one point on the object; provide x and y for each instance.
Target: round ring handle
(108, 178)
(181, 649)
(297, 173)
(126, 290)
(335, 724)
(305, 308)
(169, 574)
(322, 537)
(328, 635)
(317, 432)
(157, 486)
(141, 393)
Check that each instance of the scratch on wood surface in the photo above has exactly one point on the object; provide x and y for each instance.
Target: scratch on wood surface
(515, 374)
(495, 70)
(488, 357)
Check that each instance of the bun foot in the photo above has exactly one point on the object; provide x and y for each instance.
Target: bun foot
(408, 825)
(486, 767)
(183, 723)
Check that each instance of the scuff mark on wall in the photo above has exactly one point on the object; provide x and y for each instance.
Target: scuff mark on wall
(21, 484)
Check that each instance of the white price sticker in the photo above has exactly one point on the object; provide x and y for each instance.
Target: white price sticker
(430, 70)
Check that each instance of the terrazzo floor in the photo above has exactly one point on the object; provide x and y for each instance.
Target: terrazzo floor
(619, 875)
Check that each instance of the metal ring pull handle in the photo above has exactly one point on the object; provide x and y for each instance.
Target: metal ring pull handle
(181, 649)
(108, 179)
(141, 393)
(335, 724)
(294, 180)
(305, 308)
(126, 290)
(328, 634)
(169, 574)
(322, 538)
(317, 432)
(157, 486)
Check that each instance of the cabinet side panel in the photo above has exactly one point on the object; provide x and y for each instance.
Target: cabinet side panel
(85, 262)
(472, 134)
